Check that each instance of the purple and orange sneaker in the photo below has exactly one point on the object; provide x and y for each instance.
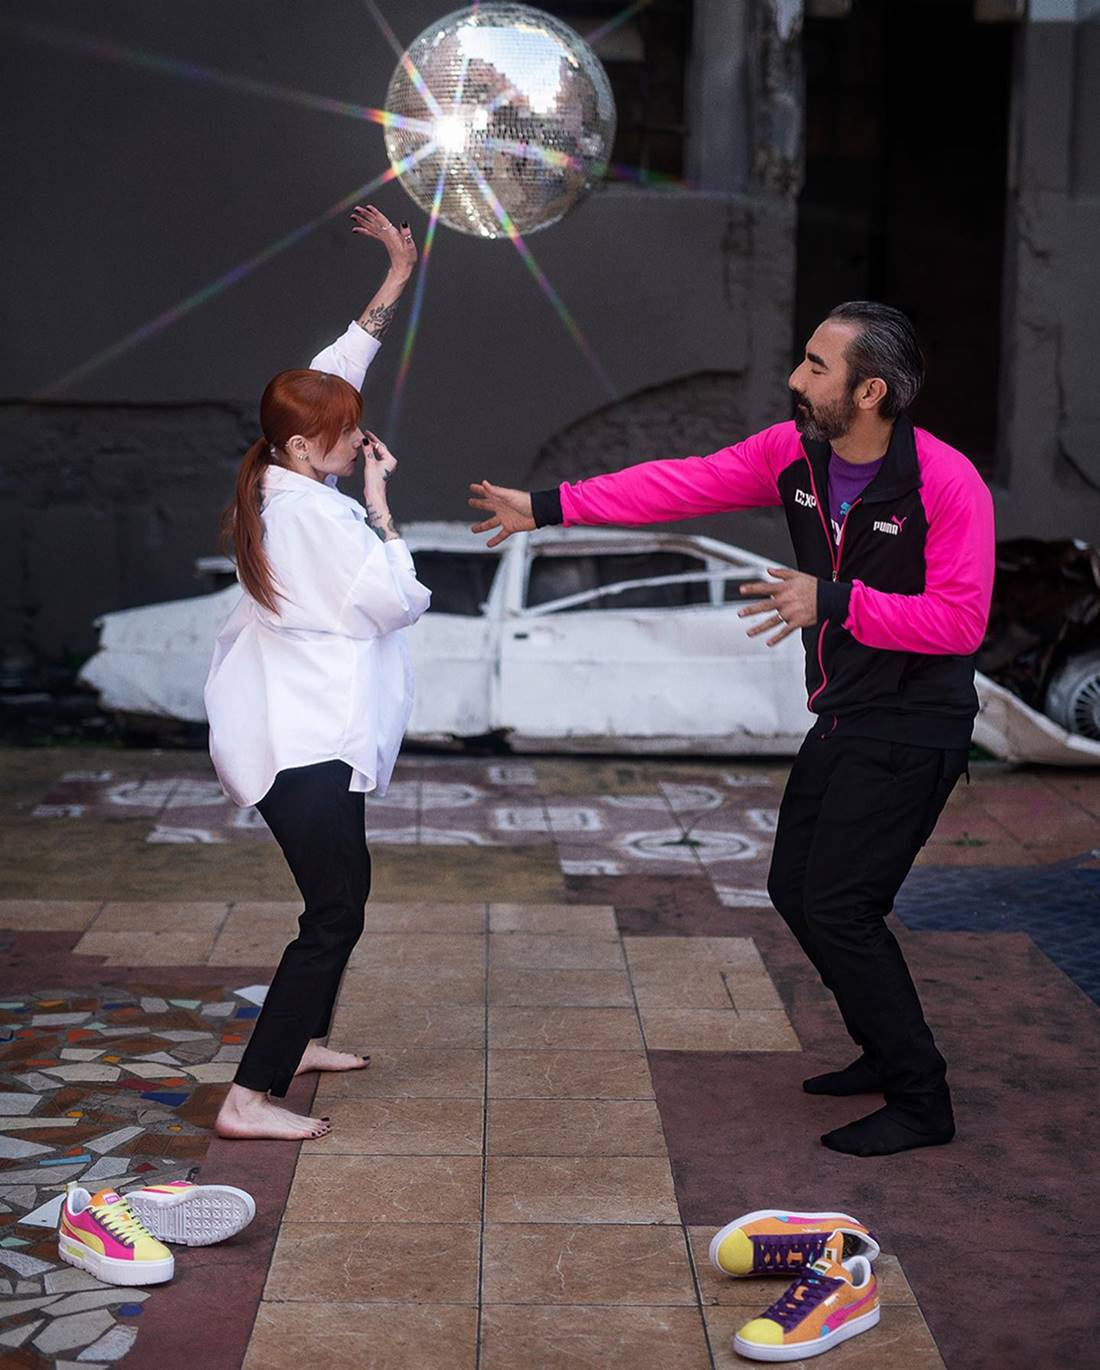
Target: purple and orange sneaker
(100, 1233)
(773, 1241)
(832, 1300)
(192, 1214)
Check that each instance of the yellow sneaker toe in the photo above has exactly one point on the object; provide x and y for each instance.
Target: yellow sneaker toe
(149, 1249)
(762, 1332)
(735, 1254)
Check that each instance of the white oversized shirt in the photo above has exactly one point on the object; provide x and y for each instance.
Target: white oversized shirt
(326, 677)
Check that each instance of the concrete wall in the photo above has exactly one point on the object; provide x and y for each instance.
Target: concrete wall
(1049, 468)
(135, 188)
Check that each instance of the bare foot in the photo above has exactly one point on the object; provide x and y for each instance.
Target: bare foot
(318, 1057)
(247, 1113)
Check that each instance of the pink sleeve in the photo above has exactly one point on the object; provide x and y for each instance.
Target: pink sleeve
(950, 617)
(739, 477)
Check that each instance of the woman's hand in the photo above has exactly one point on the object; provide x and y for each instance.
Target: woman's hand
(510, 511)
(379, 463)
(398, 242)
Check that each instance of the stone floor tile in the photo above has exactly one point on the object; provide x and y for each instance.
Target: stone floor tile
(597, 1263)
(714, 1030)
(78, 1329)
(670, 988)
(559, 988)
(575, 1127)
(167, 915)
(428, 917)
(901, 1341)
(572, 1338)
(418, 874)
(409, 1073)
(371, 1189)
(419, 950)
(365, 1026)
(245, 912)
(565, 1074)
(353, 1336)
(401, 1127)
(392, 987)
(690, 954)
(575, 1029)
(580, 1189)
(375, 1263)
(251, 946)
(578, 920)
(148, 948)
(48, 915)
(561, 951)
(569, 776)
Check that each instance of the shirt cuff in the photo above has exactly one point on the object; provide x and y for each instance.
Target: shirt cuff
(397, 549)
(546, 507)
(363, 346)
(832, 600)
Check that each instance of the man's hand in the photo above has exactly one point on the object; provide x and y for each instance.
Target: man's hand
(792, 603)
(510, 511)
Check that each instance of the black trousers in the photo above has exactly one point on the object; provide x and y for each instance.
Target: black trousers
(855, 814)
(321, 829)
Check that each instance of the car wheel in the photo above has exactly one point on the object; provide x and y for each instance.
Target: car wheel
(1073, 695)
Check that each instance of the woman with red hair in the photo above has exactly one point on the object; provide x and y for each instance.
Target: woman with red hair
(310, 690)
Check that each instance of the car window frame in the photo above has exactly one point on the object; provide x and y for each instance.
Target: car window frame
(711, 578)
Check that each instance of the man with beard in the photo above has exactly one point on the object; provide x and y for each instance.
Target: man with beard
(893, 537)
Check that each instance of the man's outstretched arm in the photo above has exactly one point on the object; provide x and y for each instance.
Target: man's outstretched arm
(739, 477)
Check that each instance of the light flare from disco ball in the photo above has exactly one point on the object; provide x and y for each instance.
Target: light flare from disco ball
(513, 99)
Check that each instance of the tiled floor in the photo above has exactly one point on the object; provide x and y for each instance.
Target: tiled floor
(570, 1087)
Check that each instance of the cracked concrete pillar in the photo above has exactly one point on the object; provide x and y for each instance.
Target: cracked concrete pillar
(1050, 435)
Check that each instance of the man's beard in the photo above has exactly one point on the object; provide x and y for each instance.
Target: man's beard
(826, 422)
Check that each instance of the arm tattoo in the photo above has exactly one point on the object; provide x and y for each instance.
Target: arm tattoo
(381, 522)
(378, 319)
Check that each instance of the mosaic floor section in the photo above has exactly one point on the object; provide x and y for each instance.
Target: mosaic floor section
(571, 1088)
(99, 1088)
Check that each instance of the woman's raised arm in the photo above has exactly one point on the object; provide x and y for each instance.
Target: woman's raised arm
(351, 353)
(399, 245)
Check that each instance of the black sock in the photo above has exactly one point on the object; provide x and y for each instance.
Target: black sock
(889, 1130)
(860, 1077)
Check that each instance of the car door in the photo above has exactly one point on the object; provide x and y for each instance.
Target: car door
(454, 645)
(640, 640)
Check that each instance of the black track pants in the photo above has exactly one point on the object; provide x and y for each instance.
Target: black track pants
(855, 814)
(321, 829)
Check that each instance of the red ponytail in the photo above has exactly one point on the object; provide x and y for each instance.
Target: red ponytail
(312, 404)
(242, 527)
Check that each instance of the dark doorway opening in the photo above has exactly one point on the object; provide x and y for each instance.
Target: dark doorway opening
(907, 124)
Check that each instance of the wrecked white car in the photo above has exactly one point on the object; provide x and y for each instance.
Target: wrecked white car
(587, 640)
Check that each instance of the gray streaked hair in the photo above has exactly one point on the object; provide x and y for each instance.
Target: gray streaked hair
(886, 346)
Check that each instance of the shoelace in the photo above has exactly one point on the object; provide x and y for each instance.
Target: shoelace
(772, 1249)
(121, 1221)
(789, 1310)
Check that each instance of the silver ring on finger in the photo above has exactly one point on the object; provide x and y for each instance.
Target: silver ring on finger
(780, 617)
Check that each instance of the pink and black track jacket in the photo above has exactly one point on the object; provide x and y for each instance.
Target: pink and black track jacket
(902, 603)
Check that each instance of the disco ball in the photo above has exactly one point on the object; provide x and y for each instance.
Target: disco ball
(519, 111)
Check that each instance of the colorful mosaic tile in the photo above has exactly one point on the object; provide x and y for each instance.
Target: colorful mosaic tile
(138, 1121)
